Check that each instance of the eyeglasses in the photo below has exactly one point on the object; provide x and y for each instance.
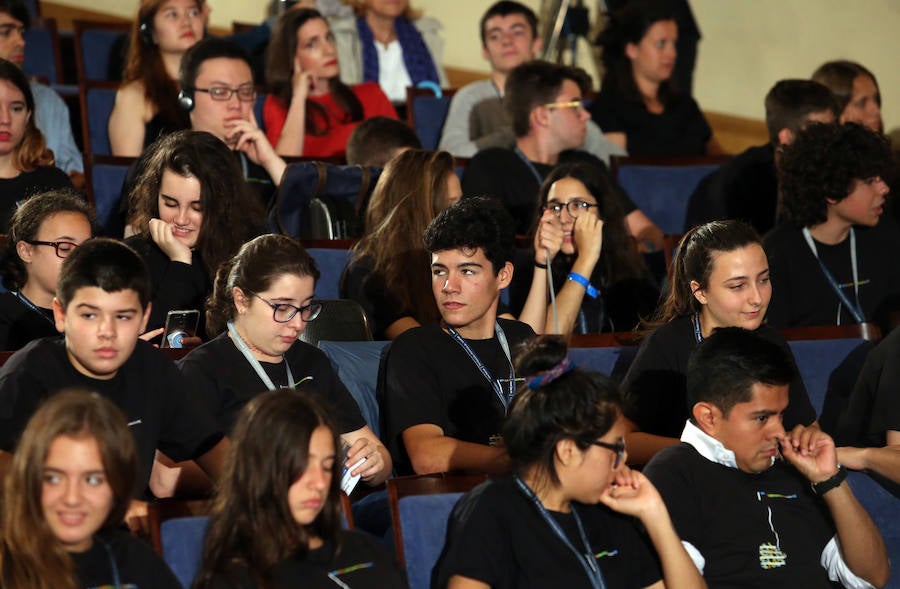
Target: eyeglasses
(63, 248)
(618, 448)
(283, 312)
(245, 92)
(573, 207)
(576, 104)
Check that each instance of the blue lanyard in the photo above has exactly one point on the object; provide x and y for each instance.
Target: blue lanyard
(112, 562)
(855, 310)
(505, 399)
(257, 367)
(587, 560)
(530, 164)
(24, 300)
(698, 333)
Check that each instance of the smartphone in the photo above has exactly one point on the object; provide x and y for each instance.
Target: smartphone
(179, 325)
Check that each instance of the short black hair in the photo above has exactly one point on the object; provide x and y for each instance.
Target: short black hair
(726, 365)
(107, 264)
(204, 50)
(506, 8)
(823, 162)
(473, 223)
(535, 83)
(16, 9)
(790, 102)
(374, 141)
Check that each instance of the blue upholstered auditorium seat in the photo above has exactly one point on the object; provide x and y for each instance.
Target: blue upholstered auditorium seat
(331, 264)
(423, 525)
(182, 545)
(356, 364)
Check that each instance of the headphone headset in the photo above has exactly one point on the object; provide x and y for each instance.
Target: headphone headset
(146, 32)
(186, 99)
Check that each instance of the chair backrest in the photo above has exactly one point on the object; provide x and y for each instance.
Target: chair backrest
(182, 546)
(105, 177)
(420, 510)
(426, 114)
(97, 101)
(341, 320)
(331, 264)
(43, 57)
(817, 360)
(356, 364)
(662, 187)
(94, 43)
(34, 8)
(883, 508)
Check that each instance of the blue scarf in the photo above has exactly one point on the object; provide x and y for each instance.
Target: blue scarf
(416, 56)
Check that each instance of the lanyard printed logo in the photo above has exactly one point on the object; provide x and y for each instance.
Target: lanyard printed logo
(770, 555)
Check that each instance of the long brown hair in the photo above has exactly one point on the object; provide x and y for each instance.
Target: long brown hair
(280, 73)
(145, 64)
(30, 555)
(410, 193)
(232, 212)
(251, 526)
(32, 152)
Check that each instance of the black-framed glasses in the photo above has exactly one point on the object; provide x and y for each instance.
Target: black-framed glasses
(63, 248)
(284, 312)
(618, 448)
(245, 92)
(573, 207)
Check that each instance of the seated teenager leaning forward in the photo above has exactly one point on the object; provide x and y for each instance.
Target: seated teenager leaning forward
(572, 514)
(44, 230)
(309, 111)
(279, 520)
(102, 304)
(720, 278)
(66, 495)
(448, 386)
(757, 506)
(261, 303)
(830, 260)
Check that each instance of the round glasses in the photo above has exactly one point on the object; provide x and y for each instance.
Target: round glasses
(284, 312)
(63, 248)
(618, 448)
(574, 207)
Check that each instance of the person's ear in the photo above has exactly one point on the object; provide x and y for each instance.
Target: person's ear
(706, 415)
(785, 136)
(536, 47)
(631, 51)
(566, 451)
(540, 117)
(698, 292)
(25, 251)
(145, 318)
(504, 276)
(59, 315)
(485, 54)
(241, 303)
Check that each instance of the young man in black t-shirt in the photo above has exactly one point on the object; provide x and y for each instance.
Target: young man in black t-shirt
(447, 386)
(746, 518)
(102, 305)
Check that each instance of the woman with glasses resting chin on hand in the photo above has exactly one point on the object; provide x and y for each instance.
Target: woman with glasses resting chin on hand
(570, 515)
(261, 303)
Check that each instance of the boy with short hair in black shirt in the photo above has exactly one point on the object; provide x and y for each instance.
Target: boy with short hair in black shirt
(448, 386)
(102, 305)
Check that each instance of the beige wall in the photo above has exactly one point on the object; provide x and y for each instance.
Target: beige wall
(747, 45)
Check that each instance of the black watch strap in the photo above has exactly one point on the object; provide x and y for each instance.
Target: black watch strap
(830, 483)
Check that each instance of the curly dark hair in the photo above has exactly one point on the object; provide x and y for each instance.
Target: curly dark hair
(822, 164)
(473, 223)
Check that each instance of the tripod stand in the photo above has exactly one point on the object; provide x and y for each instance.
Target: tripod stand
(571, 21)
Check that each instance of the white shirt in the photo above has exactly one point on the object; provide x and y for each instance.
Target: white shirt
(392, 75)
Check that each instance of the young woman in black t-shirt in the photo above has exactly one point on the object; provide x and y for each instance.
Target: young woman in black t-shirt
(45, 229)
(276, 521)
(564, 435)
(65, 499)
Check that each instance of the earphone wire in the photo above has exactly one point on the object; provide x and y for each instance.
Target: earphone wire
(550, 288)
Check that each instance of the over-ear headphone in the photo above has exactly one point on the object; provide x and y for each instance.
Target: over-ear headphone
(186, 99)
(146, 32)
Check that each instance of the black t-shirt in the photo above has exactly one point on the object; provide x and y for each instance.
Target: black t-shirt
(801, 295)
(739, 521)
(497, 536)
(502, 174)
(311, 572)
(429, 378)
(680, 130)
(227, 381)
(656, 382)
(745, 188)
(138, 566)
(20, 324)
(162, 411)
(15, 190)
(175, 285)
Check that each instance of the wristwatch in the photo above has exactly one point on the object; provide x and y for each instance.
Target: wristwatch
(830, 483)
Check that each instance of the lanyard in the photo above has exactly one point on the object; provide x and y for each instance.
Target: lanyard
(112, 563)
(505, 399)
(24, 300)
(530, 164)
(587, 560)
(855, 310)
(698, 333)
(257, 367)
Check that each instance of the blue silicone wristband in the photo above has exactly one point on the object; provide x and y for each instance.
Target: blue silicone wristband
(588, 287)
